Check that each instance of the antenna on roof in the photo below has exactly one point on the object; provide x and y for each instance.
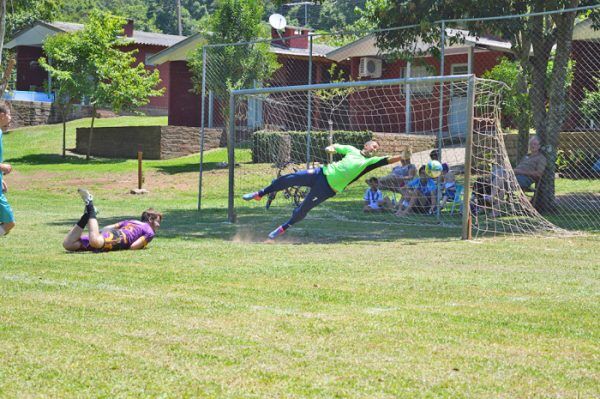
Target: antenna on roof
(277, 21)
(302, 3)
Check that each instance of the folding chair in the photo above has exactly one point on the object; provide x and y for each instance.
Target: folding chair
(458, 199)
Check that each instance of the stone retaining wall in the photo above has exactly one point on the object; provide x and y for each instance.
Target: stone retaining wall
(395, 143)
(157, 142)
(33, 113)
(589, 142)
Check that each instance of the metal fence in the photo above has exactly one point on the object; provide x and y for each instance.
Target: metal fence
(553, 92)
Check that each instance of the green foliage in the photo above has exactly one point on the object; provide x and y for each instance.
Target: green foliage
(23, 13)
(91, 63)
(516, 105)
(239, 66)
(108, 76)
(291, 146)
(577, 164)
(590, 106)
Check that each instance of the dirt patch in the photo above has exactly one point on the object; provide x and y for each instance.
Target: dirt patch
(115, 182)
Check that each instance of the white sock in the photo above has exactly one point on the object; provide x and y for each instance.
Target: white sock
(2, 231)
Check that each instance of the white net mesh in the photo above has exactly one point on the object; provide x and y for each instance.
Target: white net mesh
(410, 120)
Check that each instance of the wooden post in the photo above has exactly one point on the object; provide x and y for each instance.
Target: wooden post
(140, 171)
(467, 230)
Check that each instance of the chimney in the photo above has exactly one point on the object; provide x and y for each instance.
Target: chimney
(128, 28)
(291, 36)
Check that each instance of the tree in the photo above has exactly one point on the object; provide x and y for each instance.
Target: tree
(240, 66)
(92, 64)
(536, 42)
(62, 50)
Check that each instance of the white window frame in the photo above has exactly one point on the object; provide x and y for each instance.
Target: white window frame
(453, 68)
(420, 71)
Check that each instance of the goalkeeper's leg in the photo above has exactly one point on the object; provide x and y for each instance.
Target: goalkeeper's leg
(305, 178)
(320, 192)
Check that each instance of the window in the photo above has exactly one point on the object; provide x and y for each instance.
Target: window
(458, 89)
(420, 72)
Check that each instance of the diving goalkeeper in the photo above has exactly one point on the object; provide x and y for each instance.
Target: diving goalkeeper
(325, 182)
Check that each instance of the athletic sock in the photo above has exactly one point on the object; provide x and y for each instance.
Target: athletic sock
(2, 231)
(261, 193)
(286, 226)
(91, 211)
(84, 220)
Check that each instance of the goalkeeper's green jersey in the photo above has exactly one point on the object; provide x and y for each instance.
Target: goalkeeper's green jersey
(351, 167)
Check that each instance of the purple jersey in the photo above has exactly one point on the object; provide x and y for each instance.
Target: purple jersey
(134, 229)
(121, 236)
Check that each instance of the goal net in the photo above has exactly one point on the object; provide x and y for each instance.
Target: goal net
(454, 120)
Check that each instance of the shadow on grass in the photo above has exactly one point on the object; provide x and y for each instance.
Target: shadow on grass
(253, 225)
(56, 159)
(189, 167)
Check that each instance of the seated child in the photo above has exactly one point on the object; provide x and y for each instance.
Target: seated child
(449, 185)
(374, 199)
(421, 196)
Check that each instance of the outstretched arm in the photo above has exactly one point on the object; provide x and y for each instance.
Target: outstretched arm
(394, 159)
(140, 243)
(340, 149)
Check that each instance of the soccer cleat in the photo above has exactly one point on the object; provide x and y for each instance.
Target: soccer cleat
(252, 196)
(86, 196)
(276, 233)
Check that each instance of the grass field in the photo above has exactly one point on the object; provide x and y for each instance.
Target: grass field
(338, 309)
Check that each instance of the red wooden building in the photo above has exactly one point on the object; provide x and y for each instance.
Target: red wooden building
(291, 47)
(32, 77)
(415, 108)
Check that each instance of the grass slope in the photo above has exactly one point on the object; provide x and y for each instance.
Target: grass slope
(340, 309)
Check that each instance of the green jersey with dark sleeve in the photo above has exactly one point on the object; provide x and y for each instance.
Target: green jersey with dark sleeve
(354, 165)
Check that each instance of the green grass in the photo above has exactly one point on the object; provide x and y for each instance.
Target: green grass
(338, 309)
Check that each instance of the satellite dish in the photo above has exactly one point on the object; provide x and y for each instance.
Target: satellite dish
(277, 21)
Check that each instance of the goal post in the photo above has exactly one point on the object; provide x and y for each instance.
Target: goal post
(277, 130)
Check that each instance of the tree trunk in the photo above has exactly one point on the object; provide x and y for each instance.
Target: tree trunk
(89, 148)
(64, 123)
(523, 120)
(2, 27)
(556, 108)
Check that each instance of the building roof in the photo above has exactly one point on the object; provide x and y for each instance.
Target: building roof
(181, 50)
(319, 50)
(367, 46)
(37, 33)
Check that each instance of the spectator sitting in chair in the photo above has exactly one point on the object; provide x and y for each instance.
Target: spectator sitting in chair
(531, 168)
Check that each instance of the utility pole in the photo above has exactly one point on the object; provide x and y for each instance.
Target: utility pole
(179, 27)
(305, 4)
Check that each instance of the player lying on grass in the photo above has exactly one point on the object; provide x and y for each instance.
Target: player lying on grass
(325, 182)
(127, 234)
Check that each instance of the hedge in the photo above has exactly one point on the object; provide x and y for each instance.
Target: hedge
(279, 147)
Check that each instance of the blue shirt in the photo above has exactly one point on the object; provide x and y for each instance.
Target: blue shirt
(425, 188)
(373, 197)
(1, 159)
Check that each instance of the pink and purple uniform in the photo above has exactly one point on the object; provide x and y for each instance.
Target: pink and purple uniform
(122, 236)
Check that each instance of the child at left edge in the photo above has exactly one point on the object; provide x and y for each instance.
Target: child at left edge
(7, 217)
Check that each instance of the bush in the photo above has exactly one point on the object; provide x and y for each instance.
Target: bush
(576, 164)
(280, 147)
